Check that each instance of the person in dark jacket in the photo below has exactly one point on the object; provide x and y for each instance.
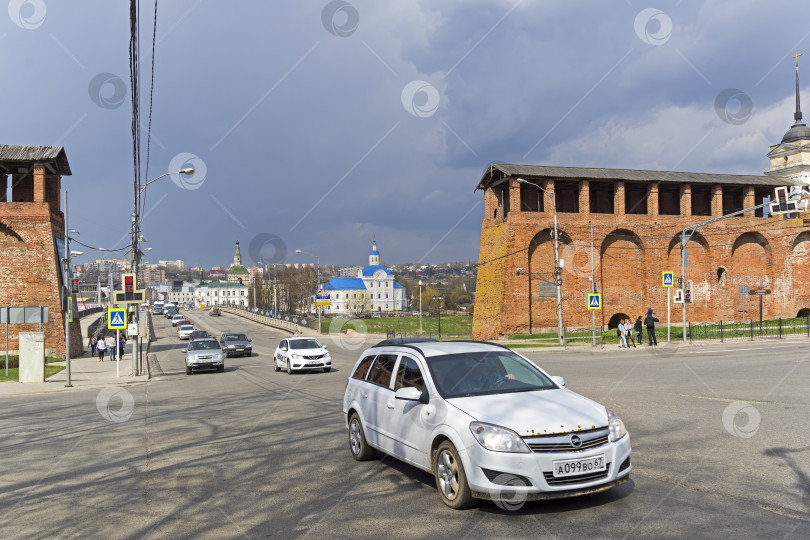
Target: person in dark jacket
(637, 328)
(649, 321)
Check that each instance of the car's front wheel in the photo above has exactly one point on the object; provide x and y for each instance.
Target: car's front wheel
(188, 370)
(289, 367)
(221, 368)
(361, 451)
(327, 369)
(450, 478)
(275, 364)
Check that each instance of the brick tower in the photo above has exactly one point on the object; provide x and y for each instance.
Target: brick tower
(31, 227)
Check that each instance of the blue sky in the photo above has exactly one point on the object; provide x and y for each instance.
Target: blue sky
(319, 125)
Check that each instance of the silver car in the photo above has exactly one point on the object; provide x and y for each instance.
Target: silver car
(204, 354)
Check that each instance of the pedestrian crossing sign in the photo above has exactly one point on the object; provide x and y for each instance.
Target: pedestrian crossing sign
(594, 301)
(117, 319)
(666, 279)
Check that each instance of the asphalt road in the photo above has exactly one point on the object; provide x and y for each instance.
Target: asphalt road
(720, 449)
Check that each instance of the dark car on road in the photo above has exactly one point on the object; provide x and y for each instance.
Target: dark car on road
(236, 343)
(199, 334)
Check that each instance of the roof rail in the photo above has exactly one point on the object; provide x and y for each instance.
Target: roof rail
(403, 341)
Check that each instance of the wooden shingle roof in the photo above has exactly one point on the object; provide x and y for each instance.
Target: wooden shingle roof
(20, 159)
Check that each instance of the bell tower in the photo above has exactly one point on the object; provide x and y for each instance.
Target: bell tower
(32, 234)
(374, 256)
(791, 157)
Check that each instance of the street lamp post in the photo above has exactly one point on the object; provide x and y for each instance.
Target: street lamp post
(557, 276)
(440, 298)
(420, 307)
(317, 285)
(135, 239)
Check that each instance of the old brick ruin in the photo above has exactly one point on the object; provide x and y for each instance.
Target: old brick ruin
(30, 221)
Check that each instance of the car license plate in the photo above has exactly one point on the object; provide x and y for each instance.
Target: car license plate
(240, 349)
(575, 467)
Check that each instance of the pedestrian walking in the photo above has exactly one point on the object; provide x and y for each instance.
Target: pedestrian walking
(628, 333)
(122, 342)
(622, 337)
(101, 347)
(637, 328)
(649, 321)
(112, 346)
(93, 345)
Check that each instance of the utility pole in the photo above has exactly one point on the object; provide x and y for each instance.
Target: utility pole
(593, 290)
(68, 297)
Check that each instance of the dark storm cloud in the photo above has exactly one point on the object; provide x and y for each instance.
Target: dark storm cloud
(324, 138)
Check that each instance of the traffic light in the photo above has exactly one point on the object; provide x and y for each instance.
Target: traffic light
(74, 286)
(687, 292)
(129, 284)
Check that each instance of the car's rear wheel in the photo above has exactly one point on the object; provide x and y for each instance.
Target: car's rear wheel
(361, 451)
(450, 478)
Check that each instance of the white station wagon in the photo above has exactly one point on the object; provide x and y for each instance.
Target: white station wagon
(486, 421)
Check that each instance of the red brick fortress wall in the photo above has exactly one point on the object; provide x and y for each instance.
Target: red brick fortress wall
(630, 251)
(29, 275)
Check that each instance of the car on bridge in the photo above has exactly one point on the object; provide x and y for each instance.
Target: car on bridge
(204, 354)
(301, 353)
(184, 331)
(236, 343)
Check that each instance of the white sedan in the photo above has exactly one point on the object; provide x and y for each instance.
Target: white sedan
(185, 331)
(299, 353)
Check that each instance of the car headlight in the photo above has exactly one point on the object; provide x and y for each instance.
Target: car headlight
(498, 439)
(296, 356)
(617, 429)
(218, 356)
(231, 346)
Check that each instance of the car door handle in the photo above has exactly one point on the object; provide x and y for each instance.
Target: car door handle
(364, 395)
(390, 404)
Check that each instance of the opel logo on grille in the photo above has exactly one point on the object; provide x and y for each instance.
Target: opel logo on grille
(576, 442)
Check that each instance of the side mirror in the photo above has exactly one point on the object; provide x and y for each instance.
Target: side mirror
(559, 380)
(185, 350)
(250, 341)
(324, 346)
(409, 394)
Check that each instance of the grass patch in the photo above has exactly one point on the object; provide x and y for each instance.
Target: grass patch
(14, 373)
(452, 325)
(531, 345)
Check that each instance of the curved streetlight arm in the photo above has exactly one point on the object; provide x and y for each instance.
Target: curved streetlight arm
(181, 171)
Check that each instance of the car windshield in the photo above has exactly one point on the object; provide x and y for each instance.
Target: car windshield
(186, 327)
(203, 345)
(491, 372)
(304, 344)
(235, 337)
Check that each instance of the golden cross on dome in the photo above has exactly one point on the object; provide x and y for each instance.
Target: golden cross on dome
(796, 56)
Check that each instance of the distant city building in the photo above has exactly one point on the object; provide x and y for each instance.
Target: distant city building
(217, 272)
(220, 293)
(373, 289)
(238, 273)
(172, 266)
(349, 271)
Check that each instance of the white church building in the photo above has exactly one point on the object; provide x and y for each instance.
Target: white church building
(372, 291)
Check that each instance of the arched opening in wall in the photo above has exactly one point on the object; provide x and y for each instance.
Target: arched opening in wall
(799, 270)
(622, 271)
(542, 292)
(698, 256)
(750, 259)
(803, 313)
(722, 276)
(615, 319)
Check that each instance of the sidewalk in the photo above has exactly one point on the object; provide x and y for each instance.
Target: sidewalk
(85, 372)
